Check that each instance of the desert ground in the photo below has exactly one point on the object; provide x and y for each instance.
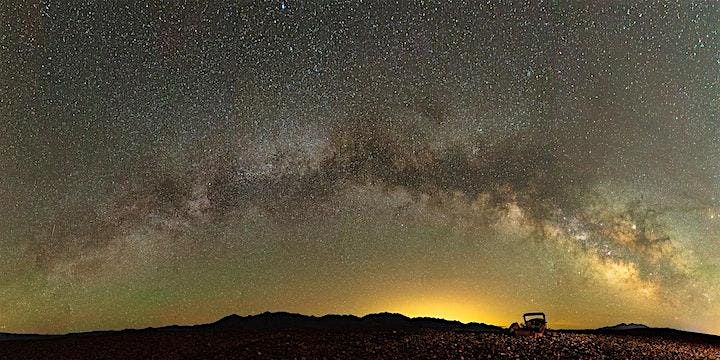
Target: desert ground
(339, 344)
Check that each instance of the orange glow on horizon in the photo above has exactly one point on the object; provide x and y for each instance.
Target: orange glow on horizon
(446, 306)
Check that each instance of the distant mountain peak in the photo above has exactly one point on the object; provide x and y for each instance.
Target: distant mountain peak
(624, 326)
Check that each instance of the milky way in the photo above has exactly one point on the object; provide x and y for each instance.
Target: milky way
(175, 162)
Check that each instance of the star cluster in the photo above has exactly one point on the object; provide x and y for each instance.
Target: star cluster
(173, 162)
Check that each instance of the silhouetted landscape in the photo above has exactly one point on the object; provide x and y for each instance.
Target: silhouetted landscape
(384, 335)
(173, 162)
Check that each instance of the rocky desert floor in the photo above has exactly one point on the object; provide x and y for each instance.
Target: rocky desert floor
(366, 344)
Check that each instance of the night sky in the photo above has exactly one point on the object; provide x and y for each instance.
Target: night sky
(170, 162)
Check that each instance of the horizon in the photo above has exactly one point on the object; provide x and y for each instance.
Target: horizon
(169, 162)
(551, 326)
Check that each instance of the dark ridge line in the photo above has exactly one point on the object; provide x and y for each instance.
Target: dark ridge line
(377, 321)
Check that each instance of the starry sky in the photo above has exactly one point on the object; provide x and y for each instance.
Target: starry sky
(172, 162)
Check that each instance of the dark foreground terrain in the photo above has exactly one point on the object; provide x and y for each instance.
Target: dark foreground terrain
(375, 336)
(357, 343)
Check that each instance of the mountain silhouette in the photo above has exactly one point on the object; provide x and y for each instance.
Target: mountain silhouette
(624, 326)
(283, 320)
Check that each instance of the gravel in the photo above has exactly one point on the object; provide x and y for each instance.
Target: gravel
(378, 344)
